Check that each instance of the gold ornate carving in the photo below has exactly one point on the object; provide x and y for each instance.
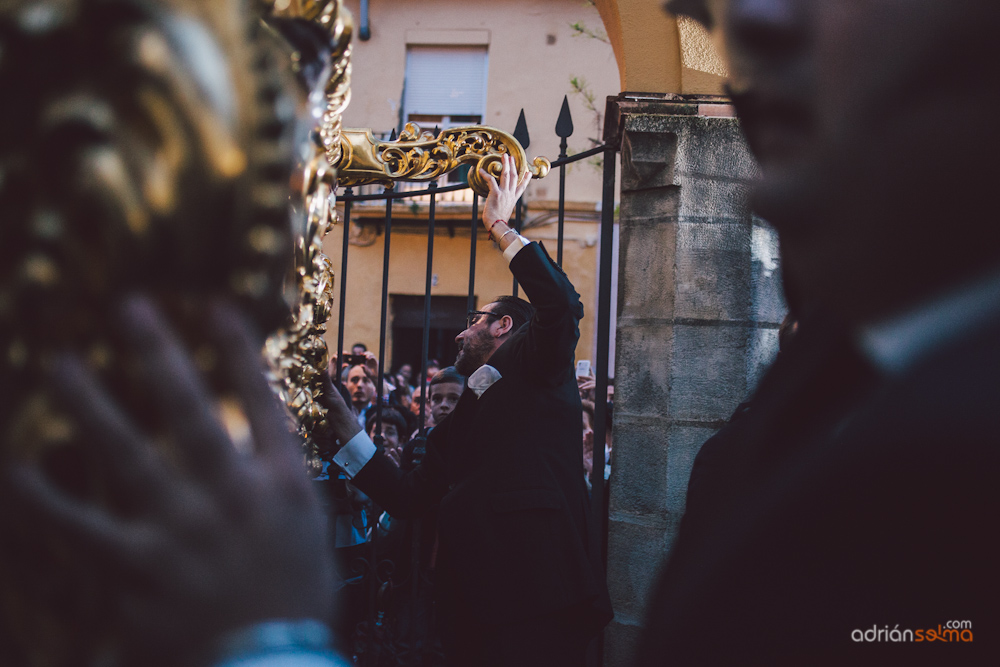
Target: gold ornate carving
(297, 353)
(420, 156)
(337, 21)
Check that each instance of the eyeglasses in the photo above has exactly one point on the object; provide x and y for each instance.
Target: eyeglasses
(473, 317)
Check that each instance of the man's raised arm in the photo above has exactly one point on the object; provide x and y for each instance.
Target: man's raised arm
(554, 330)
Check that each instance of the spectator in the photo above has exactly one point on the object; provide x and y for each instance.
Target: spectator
(415, 404)
(404, 375)
(361, 386)
(402, 398)
(586, 384)
(433, 367)
(588, 440)
(445, 389)
(394, 430)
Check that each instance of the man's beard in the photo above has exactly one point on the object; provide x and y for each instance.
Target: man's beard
(475, 352)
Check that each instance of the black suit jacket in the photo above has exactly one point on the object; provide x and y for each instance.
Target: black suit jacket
(507, 468)
(864, 503)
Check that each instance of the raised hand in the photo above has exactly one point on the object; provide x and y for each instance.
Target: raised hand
(504, 192)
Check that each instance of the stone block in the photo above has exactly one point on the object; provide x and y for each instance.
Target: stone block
(643, 358)
(713, 270)
(658, 205)
(708, 374)
(715, 168)
(648, 160)
(646, 281)
(713, 148)
(707, 156)
(639, 466)
(762, 347)
(637, 552)
(702, 197)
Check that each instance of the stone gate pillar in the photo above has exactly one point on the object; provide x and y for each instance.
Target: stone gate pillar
(699, 305)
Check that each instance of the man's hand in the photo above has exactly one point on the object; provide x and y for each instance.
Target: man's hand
(395, 455)
(213, 539)
(503, 193)
(341, 419)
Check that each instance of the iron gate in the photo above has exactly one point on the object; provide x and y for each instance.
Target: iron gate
(384, 635)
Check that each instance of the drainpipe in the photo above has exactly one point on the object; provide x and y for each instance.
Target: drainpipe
(365, 32)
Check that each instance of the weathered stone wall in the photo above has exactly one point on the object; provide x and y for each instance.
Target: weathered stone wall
(699, 304)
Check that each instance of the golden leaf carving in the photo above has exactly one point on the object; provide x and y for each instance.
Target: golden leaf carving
(419, 155)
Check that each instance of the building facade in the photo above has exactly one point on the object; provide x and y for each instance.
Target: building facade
(447, 63)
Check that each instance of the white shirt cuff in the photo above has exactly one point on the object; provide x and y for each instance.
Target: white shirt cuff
(515, 247)
(353, 456)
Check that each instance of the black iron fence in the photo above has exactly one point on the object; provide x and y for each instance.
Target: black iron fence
(395, 626)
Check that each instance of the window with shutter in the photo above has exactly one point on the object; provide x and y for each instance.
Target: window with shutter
(445, 87)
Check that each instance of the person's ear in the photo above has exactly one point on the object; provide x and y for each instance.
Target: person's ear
(506, 325)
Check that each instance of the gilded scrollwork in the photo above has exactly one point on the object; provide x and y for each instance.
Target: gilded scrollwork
(337, 22)
(419, 155)
(297, 353)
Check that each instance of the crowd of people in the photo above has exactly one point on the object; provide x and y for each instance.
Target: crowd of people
(355, 520)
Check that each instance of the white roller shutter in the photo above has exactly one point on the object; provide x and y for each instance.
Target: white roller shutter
(445, 80)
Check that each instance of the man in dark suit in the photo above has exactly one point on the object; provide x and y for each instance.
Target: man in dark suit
(859, 531)
(515, 583)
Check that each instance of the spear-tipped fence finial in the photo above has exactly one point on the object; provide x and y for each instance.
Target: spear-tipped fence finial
(521, 131)
(564, 124)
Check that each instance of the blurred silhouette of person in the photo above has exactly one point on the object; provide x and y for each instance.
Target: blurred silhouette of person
(719, 474)
(869, 454)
